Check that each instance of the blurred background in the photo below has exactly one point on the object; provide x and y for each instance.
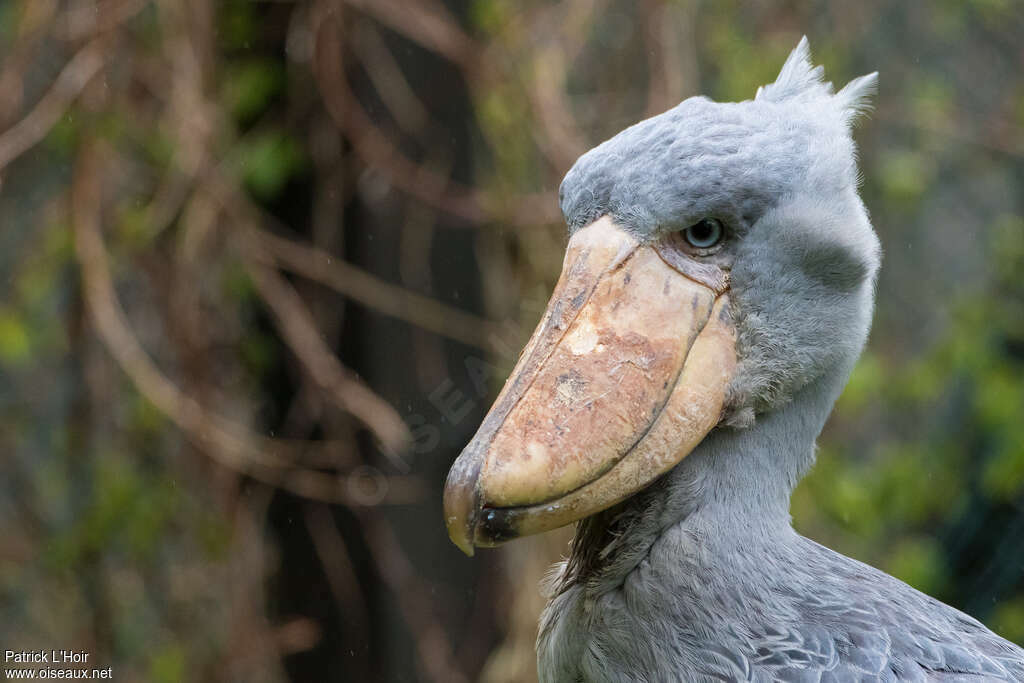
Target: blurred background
(266, 264)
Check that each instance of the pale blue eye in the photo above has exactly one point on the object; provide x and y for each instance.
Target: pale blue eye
(704, 234)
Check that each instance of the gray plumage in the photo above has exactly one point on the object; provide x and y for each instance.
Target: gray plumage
(701, 576)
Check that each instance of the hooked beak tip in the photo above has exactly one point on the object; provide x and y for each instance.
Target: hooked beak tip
(460, 510)
(457, 532)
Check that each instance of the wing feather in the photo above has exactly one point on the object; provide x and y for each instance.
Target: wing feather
(864, 625)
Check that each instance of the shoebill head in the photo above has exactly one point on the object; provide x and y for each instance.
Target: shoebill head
(719, 259)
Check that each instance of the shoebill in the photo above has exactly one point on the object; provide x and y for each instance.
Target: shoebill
(717, 289)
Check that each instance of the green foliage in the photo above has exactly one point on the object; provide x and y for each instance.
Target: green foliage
(132, 223)
(920, 562)
(489, 16)
(236, 283)
(238, 25)
(267, 160)
(994, 11)
(15, 343)
(10, 16)
(1003, 475)
(744, 64)
(63, 136)
(249, 86)
(932, 103)
(904, 175)
(258, 353)
(128, 512)
(866, 382)
(1008, 619)
(168, 665)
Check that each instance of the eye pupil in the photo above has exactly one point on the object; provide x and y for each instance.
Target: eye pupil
(705, 233)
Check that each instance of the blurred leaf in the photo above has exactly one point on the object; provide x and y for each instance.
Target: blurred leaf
(994, 11)
(145, 417)
(489, 16)
(10, 18)
(1008, 619)
(15, 343)
(932, 101)
(238, 23)
(865, 385)
(214, 536)
(151, 513)
(904, 175)
(127, 513)
(267, 161)
(63, 136)
(236, 282)
(39, 281)
(919, 562)
(1003, 475)
(168, 665)
(133, 229)
(503, 115)
(743, 64)
(250, 85)
(999, 399)
(915, 484)
(258, 352)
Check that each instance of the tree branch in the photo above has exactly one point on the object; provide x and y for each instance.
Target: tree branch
(375, 293)
(27, 133)
(227, 442)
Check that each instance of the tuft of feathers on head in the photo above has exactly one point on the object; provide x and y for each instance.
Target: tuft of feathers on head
(801, 81)
(855, 97)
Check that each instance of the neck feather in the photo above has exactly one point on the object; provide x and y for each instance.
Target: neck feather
(736, 485)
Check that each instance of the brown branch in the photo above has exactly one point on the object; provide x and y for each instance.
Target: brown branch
(86, 19)
(375, 293)
(371, 144)
(25, 134)
(343, 490)
(419, 181)
(227, 442)
(557, 132)
(559, 137)
(389, 80)
(233, 448)
(250, 650)
(433, 647)
(297, 326)
(669, 69)
(428, 25)
(23, 46)
(341, 577)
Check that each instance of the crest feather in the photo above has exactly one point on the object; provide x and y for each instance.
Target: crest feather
(855, 97)
(801, 81)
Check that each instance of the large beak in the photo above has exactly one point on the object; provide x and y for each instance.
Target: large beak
(624, 376)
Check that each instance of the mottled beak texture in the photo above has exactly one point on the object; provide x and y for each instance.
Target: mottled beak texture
(624, 376)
